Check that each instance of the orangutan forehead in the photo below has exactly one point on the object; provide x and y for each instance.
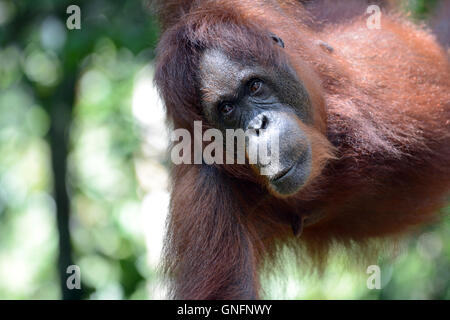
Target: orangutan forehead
(221, 76)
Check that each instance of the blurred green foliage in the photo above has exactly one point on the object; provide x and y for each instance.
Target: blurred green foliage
(99, 77)
(421, 9)
(37, 54)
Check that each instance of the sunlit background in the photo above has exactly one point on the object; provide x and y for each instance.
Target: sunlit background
(83, 144)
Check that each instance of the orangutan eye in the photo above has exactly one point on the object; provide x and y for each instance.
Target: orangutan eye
(226, 108)
(255, 86)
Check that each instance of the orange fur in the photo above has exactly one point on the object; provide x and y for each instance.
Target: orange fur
(381, 139)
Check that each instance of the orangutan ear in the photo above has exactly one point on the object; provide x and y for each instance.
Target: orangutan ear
(277, 40)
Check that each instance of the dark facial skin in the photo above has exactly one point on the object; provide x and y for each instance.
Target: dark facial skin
(271, 101)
